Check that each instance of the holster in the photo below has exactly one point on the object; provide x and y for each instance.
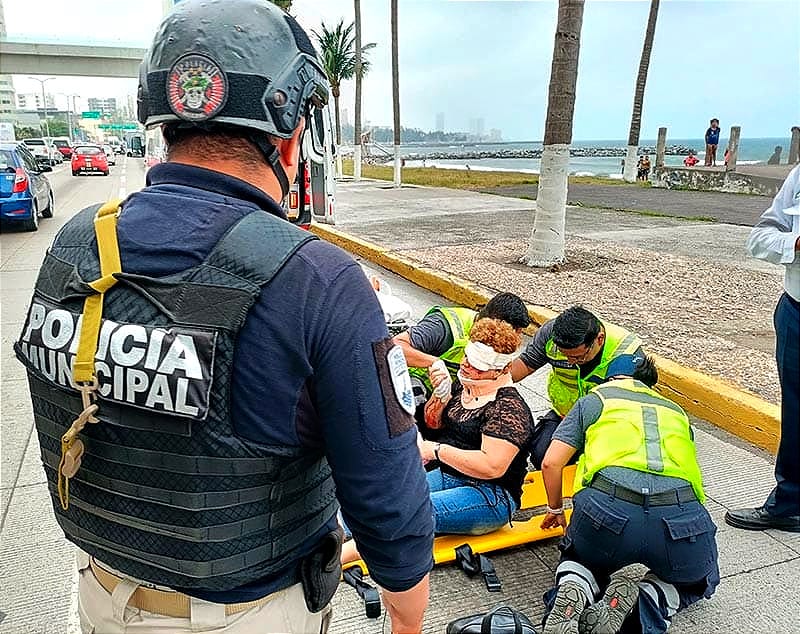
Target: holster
(321, 571)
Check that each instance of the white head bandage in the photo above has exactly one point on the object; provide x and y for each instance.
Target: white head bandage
(483, 357)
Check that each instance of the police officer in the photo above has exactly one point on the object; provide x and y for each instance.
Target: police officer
(578, 346)
(434, 347)
(638, 499)
(202, 371)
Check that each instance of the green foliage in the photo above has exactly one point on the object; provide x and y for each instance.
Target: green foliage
(338, 50)
(58, 127)
(26, 132)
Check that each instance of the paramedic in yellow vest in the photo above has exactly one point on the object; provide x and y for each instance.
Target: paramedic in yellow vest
(639, 500)
(434, 347)
(578, 346)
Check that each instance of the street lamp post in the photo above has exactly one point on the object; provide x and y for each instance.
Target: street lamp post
(69, 114)
(44, 100)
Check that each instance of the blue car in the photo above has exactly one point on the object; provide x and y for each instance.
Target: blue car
(25, 194)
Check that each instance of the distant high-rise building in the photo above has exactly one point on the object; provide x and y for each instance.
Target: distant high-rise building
(479, 125)
(106, 106)
(440, 121)
(33, 101)
(495, 134)
(345, 117)
(7, 101)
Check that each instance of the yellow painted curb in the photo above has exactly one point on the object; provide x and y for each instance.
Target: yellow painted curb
(713, 399)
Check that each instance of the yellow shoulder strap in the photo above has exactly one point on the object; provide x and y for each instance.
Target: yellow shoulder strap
(105, 228)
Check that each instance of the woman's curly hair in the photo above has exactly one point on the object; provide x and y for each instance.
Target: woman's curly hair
(499, 335)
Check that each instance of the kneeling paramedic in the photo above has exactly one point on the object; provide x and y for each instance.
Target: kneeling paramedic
(202, 371)
(639, 499)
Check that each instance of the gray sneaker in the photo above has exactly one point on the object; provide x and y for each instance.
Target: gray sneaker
(570, 602)
(607, 615)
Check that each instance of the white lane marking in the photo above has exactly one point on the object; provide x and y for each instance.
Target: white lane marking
(123, 181)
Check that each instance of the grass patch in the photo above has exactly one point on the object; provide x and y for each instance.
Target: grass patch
(436, 177)
(646, 212)
(472, 179)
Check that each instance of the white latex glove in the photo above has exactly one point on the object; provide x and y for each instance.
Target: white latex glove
(440, 379)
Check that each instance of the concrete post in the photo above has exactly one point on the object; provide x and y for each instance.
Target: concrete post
(661, 147)
(733, 148)
(794, 146)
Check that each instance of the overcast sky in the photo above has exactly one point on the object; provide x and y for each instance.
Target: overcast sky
(738, 61)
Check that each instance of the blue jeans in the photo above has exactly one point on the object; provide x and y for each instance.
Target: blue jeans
(464, 506)
(785, 497)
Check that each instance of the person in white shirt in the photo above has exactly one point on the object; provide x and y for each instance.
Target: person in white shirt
(776, 239)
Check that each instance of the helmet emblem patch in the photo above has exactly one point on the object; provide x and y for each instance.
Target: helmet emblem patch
(196, 88)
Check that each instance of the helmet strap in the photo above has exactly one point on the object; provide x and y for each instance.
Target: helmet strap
(273, 158)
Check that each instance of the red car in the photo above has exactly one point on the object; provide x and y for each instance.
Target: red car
(89, 158)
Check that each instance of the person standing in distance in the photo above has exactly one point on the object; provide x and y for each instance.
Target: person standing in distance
(776, 239)
(712, 140)
(236, 371)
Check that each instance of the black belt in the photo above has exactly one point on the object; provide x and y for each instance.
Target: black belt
(680, 495)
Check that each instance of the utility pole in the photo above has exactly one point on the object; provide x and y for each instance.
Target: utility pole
(44, 100)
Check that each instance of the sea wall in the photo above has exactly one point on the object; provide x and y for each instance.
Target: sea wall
(532, 153)
(714, 180)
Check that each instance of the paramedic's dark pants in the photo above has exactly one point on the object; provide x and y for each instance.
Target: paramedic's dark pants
(675, 542)
(785, 497)
(542, 434)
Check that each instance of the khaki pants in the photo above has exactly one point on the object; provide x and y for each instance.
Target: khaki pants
(104, 613)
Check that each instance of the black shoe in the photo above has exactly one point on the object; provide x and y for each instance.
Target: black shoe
(759, 519)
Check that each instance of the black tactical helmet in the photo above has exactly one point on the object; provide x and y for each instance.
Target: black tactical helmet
(243, 63)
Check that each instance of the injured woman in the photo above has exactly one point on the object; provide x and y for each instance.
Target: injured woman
(482, 452)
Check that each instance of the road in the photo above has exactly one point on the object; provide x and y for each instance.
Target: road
(36, 563)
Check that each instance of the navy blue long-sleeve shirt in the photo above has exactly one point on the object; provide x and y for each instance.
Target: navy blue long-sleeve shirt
(304, 368)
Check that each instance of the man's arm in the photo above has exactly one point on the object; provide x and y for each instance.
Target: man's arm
(414, 358)
(534, 356)
(370, 442)
(557, 456)
(772, 238)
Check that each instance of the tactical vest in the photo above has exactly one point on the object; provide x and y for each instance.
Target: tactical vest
(639, 429)
(166, 491)
(565, 385)
(460, 321)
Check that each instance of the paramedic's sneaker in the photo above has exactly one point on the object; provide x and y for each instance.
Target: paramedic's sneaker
(607, 615)
(570, 601)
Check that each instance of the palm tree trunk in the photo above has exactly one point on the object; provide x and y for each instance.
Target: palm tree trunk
(546, 246)
(396, 97)
(338, 132)
(638, 97)
(357, 122)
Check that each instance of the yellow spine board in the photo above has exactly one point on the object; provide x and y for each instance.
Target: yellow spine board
(522, 532)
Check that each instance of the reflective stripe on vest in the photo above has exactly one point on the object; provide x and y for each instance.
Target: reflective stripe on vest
(639, 429)
(460, 321)
(565, 385)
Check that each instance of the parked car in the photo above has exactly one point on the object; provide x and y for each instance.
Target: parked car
(89, 158)
(63, 145)
(109, 152)
(25, 194)
(44, 151)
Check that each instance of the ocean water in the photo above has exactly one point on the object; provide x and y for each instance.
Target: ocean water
(751, 151)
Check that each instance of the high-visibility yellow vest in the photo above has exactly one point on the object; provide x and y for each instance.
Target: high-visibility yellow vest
(460, 321)
(565, 384)
(639, 429)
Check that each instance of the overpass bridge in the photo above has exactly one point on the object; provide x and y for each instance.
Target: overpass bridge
(24, 58)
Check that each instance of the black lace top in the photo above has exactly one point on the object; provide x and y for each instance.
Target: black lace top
(507, 417)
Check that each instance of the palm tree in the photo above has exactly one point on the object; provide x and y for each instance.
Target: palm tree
(546, 246)
(359, 77)
(286, 5)
(337, 48)
(396, 96)
(638, 97)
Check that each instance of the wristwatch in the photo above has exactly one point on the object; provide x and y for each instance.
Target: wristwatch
(436, 449)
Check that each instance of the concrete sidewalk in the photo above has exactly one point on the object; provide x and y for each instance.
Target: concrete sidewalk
(736, 209)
